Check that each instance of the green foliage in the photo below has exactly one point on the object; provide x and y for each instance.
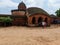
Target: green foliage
(5, 19)
(58, 13)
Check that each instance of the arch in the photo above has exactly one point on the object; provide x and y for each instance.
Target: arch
(40, 19)
(46, 20)
(33, 20)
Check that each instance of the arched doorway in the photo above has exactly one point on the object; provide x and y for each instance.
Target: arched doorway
(40, 19)
(46, 20)
(33, 20)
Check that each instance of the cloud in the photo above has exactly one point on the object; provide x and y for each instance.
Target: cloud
(49, 5)
(16, 1)
(29, 3)
(53, 5)
(6, 6)
(7, 3)
(34, 3)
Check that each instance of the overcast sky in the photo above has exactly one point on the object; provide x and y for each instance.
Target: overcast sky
(48, 5)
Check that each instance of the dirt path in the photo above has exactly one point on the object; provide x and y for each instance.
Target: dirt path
(30, 36)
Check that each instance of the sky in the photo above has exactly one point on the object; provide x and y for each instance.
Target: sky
(49, 6)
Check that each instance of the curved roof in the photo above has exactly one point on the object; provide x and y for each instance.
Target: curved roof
(33, 10)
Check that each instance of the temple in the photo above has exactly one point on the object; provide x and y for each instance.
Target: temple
(31, 16)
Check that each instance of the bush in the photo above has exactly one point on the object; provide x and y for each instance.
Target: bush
(5, 19)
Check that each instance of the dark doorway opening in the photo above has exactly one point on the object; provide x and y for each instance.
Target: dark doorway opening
(33, 20)
(40, 19)
(46, 20)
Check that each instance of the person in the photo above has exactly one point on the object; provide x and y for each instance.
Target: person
(43, 24)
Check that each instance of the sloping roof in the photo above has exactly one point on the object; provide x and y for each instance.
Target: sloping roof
(12, 16)
(53, 16)
(17, 10)
(15, 16)
(33, 10)
(5, 15)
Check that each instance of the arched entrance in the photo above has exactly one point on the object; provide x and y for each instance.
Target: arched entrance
(40, 19)
(46, 20)
(33, 20)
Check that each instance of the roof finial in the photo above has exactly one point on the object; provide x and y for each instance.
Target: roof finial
(22, 2)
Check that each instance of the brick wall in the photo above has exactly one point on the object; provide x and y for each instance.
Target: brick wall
(37, 17)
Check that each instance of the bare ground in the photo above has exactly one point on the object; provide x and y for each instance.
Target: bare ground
(30, 35)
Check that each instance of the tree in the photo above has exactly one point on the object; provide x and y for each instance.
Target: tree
(58, 13)
(5, 19)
